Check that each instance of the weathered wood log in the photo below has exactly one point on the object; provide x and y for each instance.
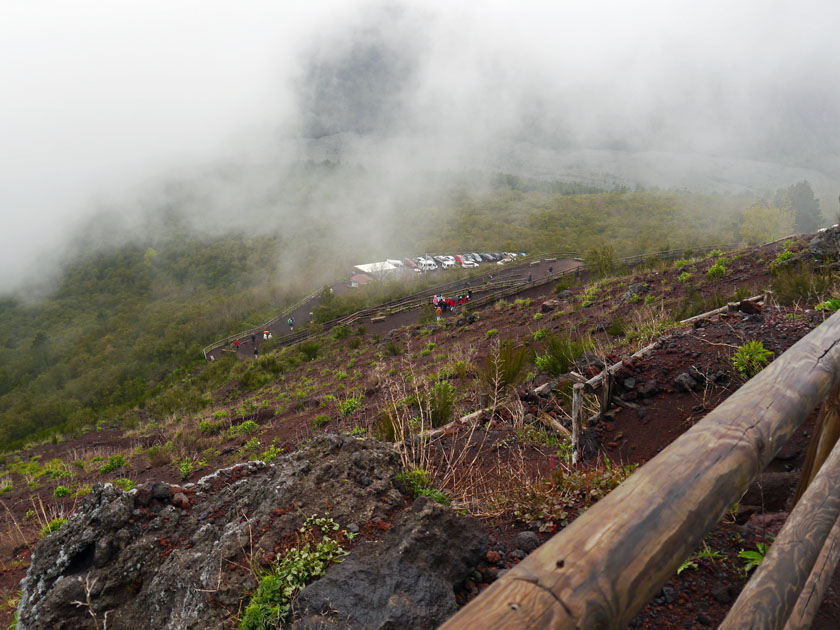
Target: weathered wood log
(818, 582)
(624, 403)
(552, 423)
(826, 432)
(595, 381)
(717, 311)
(769, 597)
(475, 416)
(601, 569)
(577, 420)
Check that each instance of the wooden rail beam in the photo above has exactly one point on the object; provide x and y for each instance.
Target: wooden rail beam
(818, 582)
(601, 569)
(769, 597)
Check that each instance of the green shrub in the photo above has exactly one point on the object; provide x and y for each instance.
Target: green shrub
(354, 343)
(561, 352)
(53, 526)
(715, 253)
(684, 276)
(418, 483)
(341, 332)
(682, 262)
(753, 558)
(785, 255)
(320, 420)
(393, 349)
(310, 350)
(61, 491)
(750, 358)
(124, 484)
(271, 602)
(210, 428)
(158, 456)
(441, 403)
(504, 367)
(800, 281)
(246, 428)
(650, 300)
(831, 305)
(491, 333)
(185, 467)
(723, 261)
(617, 327)
(601, 260)
(540, 334)
(716, 271)
(349, 407)
(538, 316)
(115, 462)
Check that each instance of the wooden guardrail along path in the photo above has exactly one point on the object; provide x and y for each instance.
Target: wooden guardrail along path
(600, 570)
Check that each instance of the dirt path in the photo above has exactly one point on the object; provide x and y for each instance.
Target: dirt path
(543, 269)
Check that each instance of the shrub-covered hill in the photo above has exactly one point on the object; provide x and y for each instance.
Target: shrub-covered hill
(98, 345)
(506, 467)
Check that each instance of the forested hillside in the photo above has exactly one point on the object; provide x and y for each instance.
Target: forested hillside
(118, 320)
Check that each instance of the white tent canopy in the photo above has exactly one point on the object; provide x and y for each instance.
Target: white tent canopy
(376, 267)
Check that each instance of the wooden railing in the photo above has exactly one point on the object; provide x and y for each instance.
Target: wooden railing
(601, 569)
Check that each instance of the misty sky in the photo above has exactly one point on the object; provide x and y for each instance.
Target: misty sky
(101, 99)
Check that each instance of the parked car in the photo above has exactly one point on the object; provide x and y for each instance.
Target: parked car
(429, 264)
(409, 263)
(468, 264)
(486, 257)
(476, 257)
(460, 259)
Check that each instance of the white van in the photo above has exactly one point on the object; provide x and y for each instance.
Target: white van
(426, 264)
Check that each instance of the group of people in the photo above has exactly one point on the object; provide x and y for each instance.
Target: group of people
(443, 304)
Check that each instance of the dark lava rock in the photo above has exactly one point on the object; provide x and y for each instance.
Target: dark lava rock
(405, 582)
(721, 594)
(648, 388)
(550, 305)
(771, 491)
(163, 567)
(527, 541)
(745, 306)
(629, 383)
(685, 383)
(669, 594)
(826, 244)
(565, 294)
(704, 620)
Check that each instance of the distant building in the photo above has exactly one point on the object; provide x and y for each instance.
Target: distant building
(359, 280)
(376, 268)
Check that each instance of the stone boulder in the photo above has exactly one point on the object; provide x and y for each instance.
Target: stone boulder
(550, 305)
(404, 582)
(826, 244)
(179, 557)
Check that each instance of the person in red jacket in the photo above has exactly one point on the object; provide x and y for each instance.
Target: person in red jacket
(237, 344)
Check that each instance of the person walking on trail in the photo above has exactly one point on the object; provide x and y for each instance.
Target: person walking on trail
(530, 277)
(237, 344)
(256, 352)
(550, 271)
(254, 339)
(291, 323)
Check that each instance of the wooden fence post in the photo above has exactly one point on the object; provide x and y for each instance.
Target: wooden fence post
(577, 419)
(826, 432)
